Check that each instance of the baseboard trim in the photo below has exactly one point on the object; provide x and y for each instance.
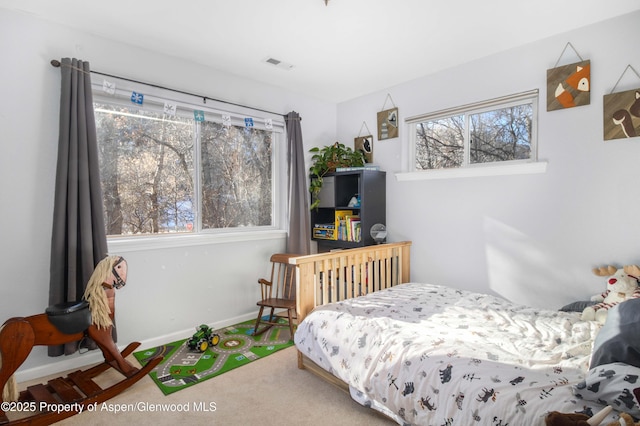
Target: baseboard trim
(78, 361)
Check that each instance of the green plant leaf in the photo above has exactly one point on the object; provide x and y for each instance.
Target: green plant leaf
(325, 160)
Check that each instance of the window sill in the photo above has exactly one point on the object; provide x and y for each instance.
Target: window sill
(502, 170)
(155, 242)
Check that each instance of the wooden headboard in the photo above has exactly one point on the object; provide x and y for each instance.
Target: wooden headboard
(330, 277)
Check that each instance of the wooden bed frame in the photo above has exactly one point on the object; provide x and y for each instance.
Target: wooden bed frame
(331, 277)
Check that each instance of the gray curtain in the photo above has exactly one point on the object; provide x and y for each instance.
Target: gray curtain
(299, 237)
(79, 239)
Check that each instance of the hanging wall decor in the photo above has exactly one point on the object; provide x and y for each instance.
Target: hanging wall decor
(108, 87)
(622, 112)
(388, 121)
(137, 98)
(569, 86)
(364, 144)
(170, 108)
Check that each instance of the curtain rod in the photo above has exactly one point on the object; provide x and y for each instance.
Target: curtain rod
(58, 64)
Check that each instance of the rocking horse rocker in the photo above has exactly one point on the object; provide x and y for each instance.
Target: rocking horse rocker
(66, 323)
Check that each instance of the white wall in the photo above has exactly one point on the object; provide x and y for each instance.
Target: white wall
(531, 238)
(169, 291)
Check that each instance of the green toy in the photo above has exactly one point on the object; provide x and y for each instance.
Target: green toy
(202, 338)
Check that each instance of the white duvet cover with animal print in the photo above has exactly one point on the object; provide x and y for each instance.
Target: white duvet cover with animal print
(433, 355)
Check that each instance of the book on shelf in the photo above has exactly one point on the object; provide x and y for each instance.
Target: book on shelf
(354, 169)
(325, 225)
(340, 217)
(346, 227)
(349, 228)
(353, 229)
(325, 231)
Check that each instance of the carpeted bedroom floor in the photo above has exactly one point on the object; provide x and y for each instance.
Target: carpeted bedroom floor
(269, 391)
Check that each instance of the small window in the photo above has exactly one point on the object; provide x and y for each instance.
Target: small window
(496, 131)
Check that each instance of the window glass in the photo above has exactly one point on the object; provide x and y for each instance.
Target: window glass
(439, 143)
(501, 135)
(236, 176)
(146, 169)
(495, 131)
(166, 174)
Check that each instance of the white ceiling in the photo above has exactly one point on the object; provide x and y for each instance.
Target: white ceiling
(339, 51)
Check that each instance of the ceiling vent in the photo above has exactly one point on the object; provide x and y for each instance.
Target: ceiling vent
(278, 63)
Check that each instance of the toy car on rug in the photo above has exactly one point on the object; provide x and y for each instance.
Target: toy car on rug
(202, 338)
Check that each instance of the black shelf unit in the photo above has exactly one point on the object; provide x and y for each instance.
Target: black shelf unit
(337, 191)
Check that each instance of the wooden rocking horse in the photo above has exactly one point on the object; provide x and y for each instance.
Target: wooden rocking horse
(66, 323)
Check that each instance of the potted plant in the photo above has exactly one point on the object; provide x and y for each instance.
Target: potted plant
(325, 160)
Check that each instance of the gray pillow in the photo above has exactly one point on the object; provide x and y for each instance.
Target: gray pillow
(577, 306)
(619, 338)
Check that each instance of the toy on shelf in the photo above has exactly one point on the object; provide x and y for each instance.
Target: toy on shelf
(622, 284)
(67, 323)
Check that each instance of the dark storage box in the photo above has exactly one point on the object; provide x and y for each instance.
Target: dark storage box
(70, 317)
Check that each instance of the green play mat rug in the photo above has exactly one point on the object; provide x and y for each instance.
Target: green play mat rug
(183, 367)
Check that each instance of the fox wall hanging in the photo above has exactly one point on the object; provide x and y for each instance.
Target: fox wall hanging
(569, 86)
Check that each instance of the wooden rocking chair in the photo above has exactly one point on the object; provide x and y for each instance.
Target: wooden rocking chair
(278, 293)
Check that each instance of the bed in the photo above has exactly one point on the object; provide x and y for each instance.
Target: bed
(426, 354)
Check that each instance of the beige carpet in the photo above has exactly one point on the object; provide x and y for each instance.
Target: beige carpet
(269, 391)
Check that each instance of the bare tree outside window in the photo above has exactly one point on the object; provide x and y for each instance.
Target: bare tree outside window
(494, 131)
(236, 176)
(439, 143)
(501, 135)
(148, 169)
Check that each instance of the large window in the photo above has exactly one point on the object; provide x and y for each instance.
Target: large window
(183, 172)
(496, 131)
